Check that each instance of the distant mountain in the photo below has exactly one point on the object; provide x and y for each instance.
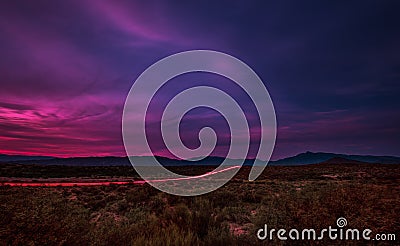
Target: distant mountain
(124, 161)
(341, 160)
(300, 159)
(12, 158)
(82, 161)
(314, 158)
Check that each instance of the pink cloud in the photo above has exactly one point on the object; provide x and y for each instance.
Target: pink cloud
(79, 128)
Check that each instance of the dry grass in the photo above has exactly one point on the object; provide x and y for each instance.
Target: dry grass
(285, 197)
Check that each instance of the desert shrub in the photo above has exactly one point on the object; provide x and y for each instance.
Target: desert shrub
(240, 215)
(170, 236)
(110, 198)
(140, 195)
(108, 232)
(180, 215)
(251, 197)
(219, 236)
(122, 206)
(201, 216)
(173, 200)
(42, 217)
(137, 215)
(95, 204)
(221, 198)
(158, 204)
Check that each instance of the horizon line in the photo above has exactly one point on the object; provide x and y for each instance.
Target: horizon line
(171, 158)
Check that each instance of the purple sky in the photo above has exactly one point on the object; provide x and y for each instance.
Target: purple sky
(332, 70)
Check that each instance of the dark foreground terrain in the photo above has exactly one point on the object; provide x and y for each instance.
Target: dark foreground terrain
(312, 196)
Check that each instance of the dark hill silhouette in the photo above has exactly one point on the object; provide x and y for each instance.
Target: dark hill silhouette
(124, 161)
(319, 157)
(300, 159)
(341, 160)
(8, 158)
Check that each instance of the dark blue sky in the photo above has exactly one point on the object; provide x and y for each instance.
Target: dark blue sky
(332, 69)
